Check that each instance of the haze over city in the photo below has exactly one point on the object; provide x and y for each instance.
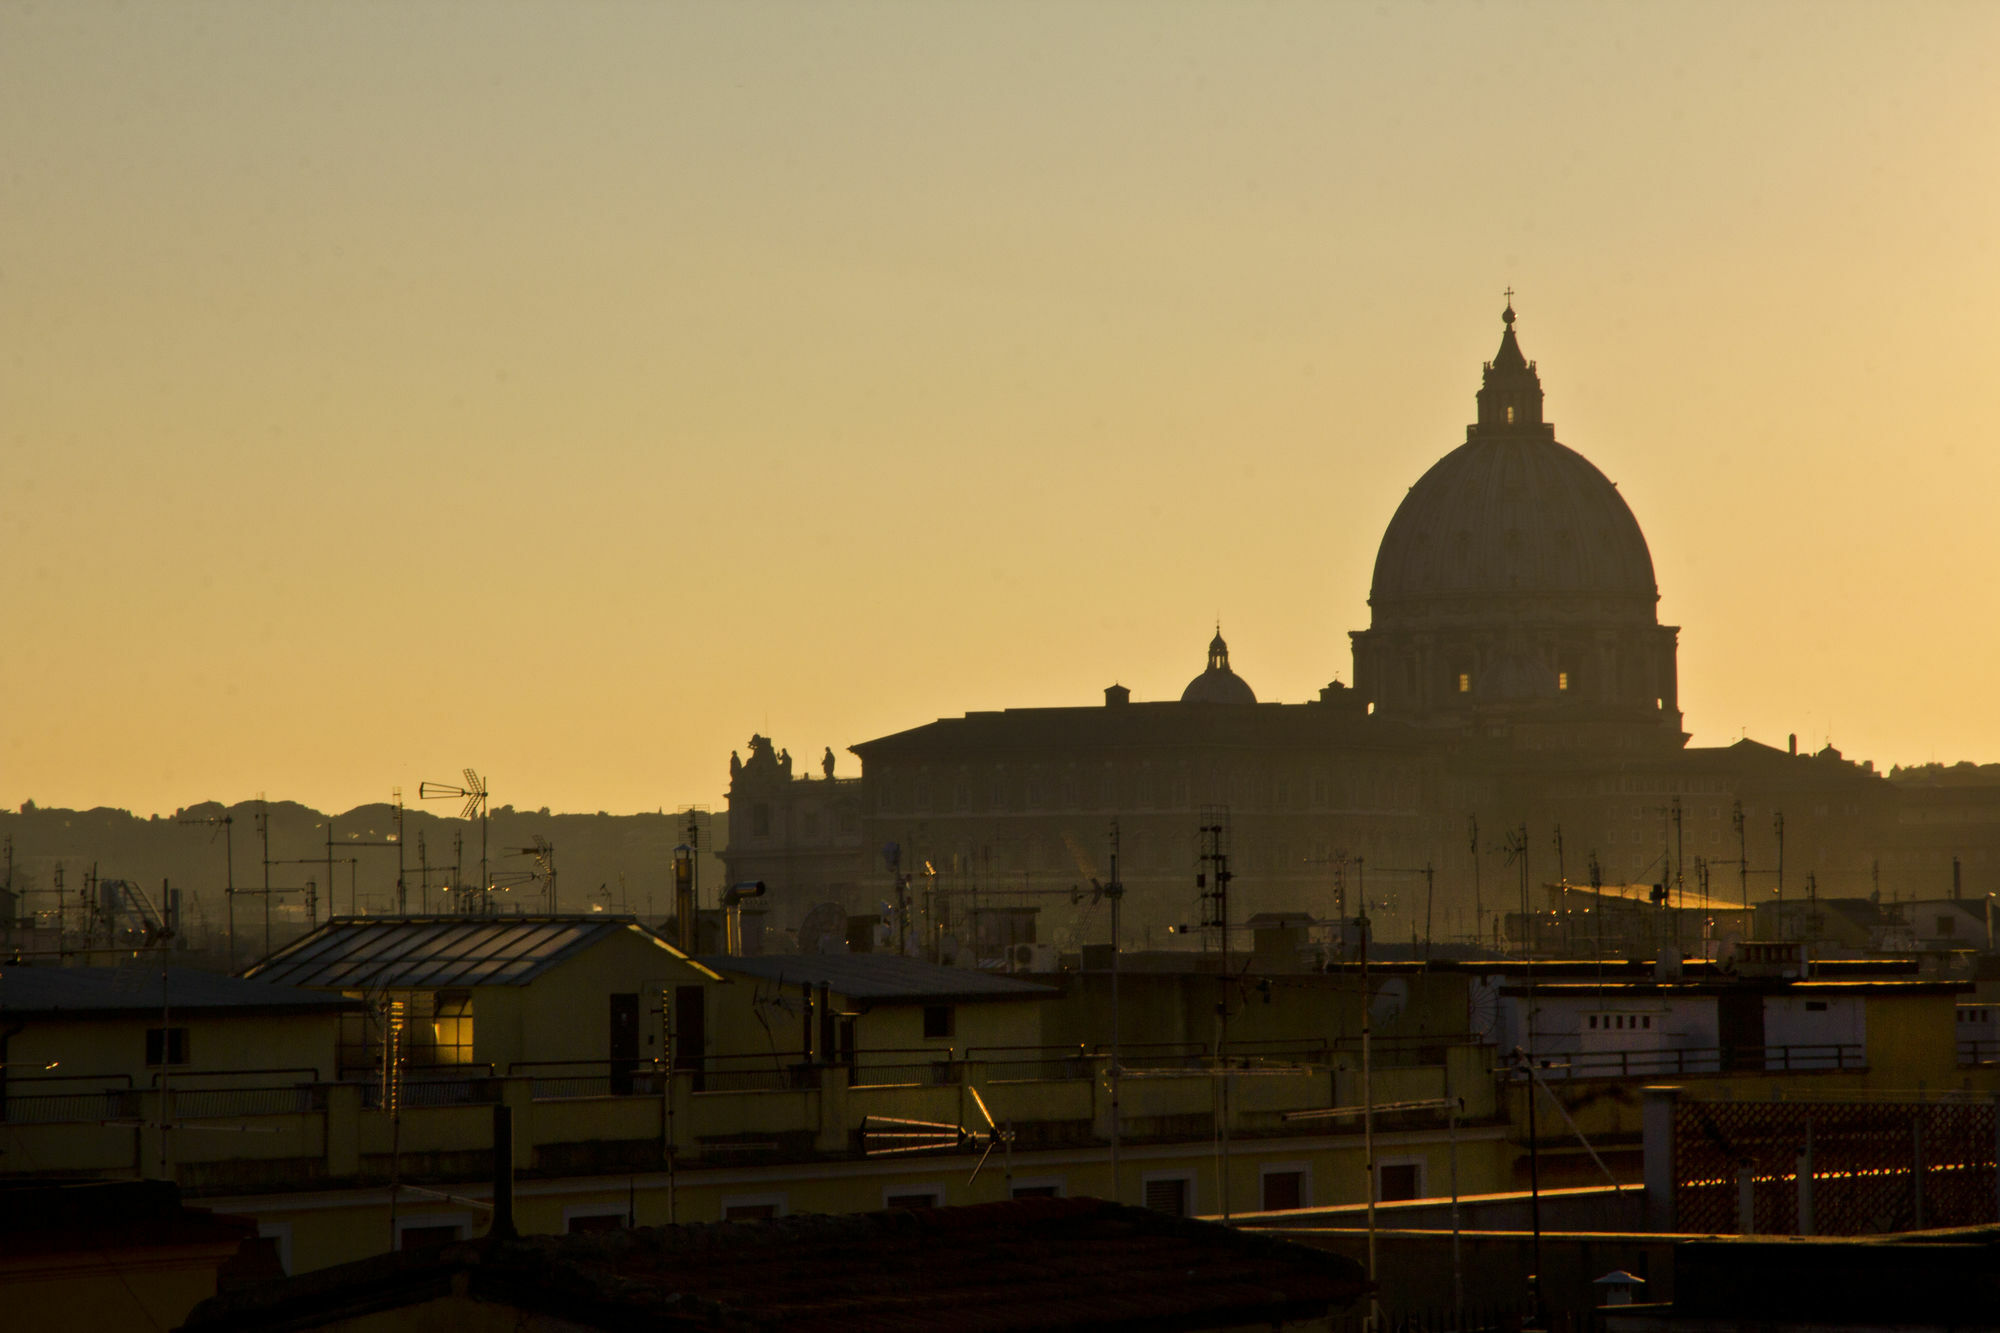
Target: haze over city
(574, 392)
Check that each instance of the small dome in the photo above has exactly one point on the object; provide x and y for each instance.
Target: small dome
(1218, 684)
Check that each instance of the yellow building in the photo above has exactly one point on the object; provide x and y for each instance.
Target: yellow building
(576, 995)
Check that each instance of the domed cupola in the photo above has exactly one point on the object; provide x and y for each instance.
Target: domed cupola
(1513, 588)
(1218, 684)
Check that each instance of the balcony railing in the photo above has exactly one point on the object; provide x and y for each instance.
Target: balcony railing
(1799, 1058)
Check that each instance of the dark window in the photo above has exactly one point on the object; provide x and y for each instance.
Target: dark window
(173, 1042)
(1284, 1189)
(927, 1199)
(1816, 1007)
(937, 1020)
(1037, 1192)
(760, 821)
(597, 1222)
(1169, 1196)
(750, 1212)
(418, 1238)
(1400, 1180)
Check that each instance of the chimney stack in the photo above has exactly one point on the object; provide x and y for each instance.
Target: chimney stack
(502, 1226)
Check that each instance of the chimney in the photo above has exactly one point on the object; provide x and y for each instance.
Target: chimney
(502, 1226)
(1795, 745)
(1116, 696)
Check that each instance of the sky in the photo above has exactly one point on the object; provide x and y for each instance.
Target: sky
(570, 390)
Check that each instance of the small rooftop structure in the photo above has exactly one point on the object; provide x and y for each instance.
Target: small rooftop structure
(433, 952)
(1035, 1263)
(880, 977)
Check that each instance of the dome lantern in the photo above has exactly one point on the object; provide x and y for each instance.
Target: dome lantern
(1218, 684)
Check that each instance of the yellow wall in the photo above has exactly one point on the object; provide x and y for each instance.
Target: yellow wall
(302, 1043)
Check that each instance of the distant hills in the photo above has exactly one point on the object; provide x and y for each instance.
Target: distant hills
(618, 863)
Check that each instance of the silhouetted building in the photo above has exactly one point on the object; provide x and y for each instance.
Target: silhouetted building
(1514, 719)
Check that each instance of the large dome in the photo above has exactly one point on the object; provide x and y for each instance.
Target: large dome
(1514, 589)
(1508, 517)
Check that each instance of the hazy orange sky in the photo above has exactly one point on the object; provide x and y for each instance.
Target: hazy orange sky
(571, 390)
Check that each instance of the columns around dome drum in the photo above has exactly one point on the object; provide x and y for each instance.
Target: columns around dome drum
(1524, 675)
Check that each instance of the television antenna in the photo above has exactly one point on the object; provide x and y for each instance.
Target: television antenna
(473, 793)
(543, 853)
(902, 1137)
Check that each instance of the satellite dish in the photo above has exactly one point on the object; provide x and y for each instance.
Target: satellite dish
(824, 930)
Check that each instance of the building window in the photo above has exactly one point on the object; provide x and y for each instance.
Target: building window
(1172, 1195)
(1562, 681)
(752, 1207)
(451, 1028)
(937, 1021)
(424, 1232)
(1047, 1187)
(760, 821)
(1399, 1180)
(913, 1196)
(166, 1046)
(1465, 682)
(576, 1220)
(1510, 416)
(1284, 1188)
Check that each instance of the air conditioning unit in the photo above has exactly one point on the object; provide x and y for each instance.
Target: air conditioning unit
(1031, 958)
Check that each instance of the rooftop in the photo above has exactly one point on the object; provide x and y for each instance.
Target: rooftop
(79, 992)
(1023, 1264)
(432, 952)
(880, 976)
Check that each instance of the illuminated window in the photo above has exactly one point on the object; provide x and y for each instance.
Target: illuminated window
(1465, 682)
(1562, 681)
(451, 1030)
(1510, 416)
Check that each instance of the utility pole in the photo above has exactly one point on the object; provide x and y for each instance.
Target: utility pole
(1478, 909)
(264, 832)
(223, 822)
(1778, 825)
(1373, 1322)
(1562, 878)
(1680, 873)
(1115, 891)
(1214, 886)
(1743, 867)
(402, 887)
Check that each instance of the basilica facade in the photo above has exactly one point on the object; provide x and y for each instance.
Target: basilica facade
(1514, 722)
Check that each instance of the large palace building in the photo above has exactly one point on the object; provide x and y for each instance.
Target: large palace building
(1514, 722)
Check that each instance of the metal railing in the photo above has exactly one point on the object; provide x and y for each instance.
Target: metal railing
(1799, 1058)
(228, 1103)
(564, 1080)
(429, 1091)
